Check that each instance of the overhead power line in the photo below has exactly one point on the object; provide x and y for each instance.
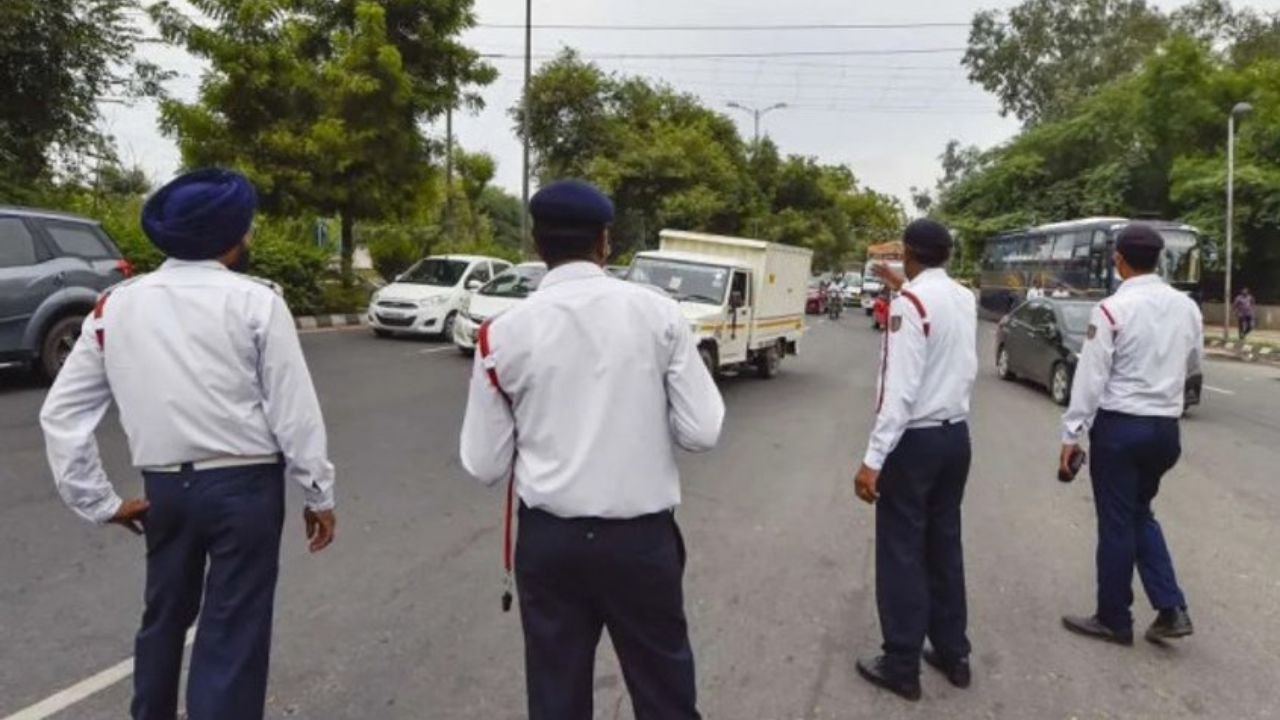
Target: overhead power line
(733, 55)
(728, 28)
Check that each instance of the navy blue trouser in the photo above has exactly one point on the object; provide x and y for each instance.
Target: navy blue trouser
(1129, 456)
(578, 576)
(919, 553)
(216, 534)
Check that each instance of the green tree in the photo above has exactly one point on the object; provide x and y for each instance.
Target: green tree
(322, 103)
(1042, 56)
(58, 60)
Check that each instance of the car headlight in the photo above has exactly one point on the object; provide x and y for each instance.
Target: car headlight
(433, 301)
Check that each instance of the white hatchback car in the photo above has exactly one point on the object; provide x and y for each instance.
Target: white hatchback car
(426, 298)
(500, 294)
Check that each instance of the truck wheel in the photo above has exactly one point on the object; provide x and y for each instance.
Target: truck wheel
(709, 360)
(768, 361)
(58, 342)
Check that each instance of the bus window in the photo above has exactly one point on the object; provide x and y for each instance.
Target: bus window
(1041, 247)
(1084, 245)
(1181, 261)
(1063, 246)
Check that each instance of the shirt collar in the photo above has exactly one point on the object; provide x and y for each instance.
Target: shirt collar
(1140, 281)
(568, 272)
(173, 263)
(926, 275)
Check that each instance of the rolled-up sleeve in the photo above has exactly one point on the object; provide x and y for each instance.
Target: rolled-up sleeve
(487, 444)
(293, 410)
(73, 409)
(695, 407)
(901, 372)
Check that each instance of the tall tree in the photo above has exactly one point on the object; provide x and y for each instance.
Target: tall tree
(1043, 56)
(58, 60)
(322, 103)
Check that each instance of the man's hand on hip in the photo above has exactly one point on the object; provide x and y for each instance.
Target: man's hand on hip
(320, 527)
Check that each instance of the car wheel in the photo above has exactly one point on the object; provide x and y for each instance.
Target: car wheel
(1002, 364)
(382, 333)
(768, 362)
(467, 352)
(446, 331)
(867, 311)
(59, 340)
(1060, 384)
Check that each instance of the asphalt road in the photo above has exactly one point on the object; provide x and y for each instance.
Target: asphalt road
(400, 620)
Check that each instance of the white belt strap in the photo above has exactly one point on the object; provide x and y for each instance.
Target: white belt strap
(217, 463)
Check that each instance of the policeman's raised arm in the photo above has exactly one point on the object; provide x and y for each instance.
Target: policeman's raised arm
(488, 443)
(1092, 371)
(695, 407)
(71, 414)
(292, 408)
(902, 368)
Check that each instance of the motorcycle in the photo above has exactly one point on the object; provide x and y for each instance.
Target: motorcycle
(835, 304)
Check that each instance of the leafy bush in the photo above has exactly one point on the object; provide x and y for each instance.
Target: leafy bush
(283, 251)
(394, 247)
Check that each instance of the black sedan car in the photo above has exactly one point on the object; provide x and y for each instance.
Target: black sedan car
(1041, 340)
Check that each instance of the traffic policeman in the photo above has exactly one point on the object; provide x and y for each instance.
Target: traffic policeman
(916, 467)
(218, 407)
(584, 391)
(1129, 393)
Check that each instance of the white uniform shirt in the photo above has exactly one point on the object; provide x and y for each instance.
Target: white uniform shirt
(605, 380)
(204, 364)
(926, 376)
(1143, 341)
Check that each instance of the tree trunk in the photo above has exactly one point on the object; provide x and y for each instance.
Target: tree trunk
(348, 248)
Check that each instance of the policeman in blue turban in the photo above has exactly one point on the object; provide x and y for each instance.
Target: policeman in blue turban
(219, 411)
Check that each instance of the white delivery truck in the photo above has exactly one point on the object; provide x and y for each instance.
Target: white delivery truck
(744, 298)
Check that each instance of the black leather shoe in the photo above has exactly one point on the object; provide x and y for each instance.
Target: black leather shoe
(872, 669)
(1169, 625)
(957, 671)
(1092, 627)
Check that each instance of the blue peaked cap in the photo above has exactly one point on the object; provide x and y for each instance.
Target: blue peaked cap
(200, 215)
(571, 202)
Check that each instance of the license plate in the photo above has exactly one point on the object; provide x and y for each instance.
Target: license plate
(392, 314)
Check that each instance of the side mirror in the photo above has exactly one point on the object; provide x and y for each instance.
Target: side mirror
(736, 300)
(474, 284)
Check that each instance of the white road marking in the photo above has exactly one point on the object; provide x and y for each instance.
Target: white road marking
(86, 688)
(432, 351)
(1211, 388)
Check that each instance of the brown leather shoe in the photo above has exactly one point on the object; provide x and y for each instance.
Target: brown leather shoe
(1092, 627)
(873, 671)
(957, 671)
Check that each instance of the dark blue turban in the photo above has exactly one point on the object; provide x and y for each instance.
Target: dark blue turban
(571, 203)
(200, 215)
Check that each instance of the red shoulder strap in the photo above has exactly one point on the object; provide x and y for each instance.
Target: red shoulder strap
(1110, 318)
(486, 354)
(924, 316)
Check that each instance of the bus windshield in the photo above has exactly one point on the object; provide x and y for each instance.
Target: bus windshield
(1181, 260)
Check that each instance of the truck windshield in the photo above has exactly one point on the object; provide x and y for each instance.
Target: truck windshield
(686, 281)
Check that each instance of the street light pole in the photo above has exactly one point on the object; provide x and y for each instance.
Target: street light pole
(524, 167)
(756, 114)
(1239, 110)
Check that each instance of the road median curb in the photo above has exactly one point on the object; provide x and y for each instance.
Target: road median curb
(1243, 351)
(329, 321)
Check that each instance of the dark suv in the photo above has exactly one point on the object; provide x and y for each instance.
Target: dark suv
(52, 268)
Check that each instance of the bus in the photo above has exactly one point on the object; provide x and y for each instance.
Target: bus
(1075, 258)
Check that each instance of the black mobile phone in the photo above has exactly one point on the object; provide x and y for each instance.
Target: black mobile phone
(1074, 463)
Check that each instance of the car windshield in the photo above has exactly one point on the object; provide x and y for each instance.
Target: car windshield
(435, 271)
(1075, 317)
(517, 282)
(691, 282)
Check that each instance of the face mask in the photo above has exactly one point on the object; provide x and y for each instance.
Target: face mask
(241, 265)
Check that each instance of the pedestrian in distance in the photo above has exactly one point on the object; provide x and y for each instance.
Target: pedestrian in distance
(916, 467)
(1244, 308)
(218, 407)
(1035, 292)
(1129, 394)
(579, 398)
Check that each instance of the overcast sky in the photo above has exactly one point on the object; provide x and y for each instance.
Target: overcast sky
(887, 116)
